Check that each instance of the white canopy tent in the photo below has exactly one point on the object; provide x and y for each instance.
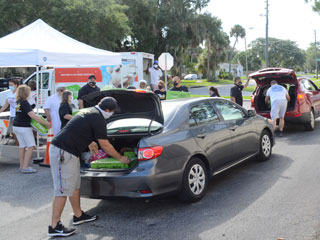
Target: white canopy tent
(38, 44)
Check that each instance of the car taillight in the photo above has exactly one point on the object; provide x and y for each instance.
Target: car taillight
(300, 96)
(149, 153)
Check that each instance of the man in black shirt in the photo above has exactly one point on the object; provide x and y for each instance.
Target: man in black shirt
(83, 130)
(177, 86)
(236, 90)
(90, 87)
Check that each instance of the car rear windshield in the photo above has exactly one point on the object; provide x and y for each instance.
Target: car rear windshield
(141, 125)
(169, 108)
(132, 125)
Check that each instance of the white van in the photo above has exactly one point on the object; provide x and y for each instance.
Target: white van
(129, 73)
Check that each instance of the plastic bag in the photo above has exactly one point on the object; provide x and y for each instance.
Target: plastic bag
(101, 154)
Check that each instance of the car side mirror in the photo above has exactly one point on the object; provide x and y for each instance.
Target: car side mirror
(252, 113)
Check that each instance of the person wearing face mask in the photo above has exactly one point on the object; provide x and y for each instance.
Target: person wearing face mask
(155, 75)
(236, 90)
(90, 87)
(161, 92)
(85, 129)
(11, 101)
(51, 109)
(177, 86)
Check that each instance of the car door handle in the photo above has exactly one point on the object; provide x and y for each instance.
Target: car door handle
(233, 128)
(201, 135)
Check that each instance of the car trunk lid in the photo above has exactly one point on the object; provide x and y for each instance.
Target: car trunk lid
(133, 104)
(281, 75)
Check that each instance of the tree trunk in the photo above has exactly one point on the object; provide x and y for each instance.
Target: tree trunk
(231, 54)
(215, 68)
(208, 61)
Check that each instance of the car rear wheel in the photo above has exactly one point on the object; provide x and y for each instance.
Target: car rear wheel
(265, 148)
(309, 126)
(195, 181)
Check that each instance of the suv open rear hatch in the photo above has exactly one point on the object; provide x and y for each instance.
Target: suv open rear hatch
(281, 75)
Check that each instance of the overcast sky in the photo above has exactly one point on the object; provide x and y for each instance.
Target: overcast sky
(288, 19)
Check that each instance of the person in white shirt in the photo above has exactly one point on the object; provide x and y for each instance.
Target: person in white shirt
(11, 101)
(33, 94)
(279, 99)
(155, 75)
(51, 109)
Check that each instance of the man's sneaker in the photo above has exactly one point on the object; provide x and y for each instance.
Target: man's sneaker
(280, 134)
(83, 219)
(60, 231)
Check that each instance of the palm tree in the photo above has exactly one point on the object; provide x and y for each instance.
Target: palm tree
(237, 31)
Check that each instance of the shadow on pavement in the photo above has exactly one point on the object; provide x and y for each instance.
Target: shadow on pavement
(228, 194)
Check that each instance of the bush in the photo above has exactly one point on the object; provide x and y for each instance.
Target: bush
(225, 75)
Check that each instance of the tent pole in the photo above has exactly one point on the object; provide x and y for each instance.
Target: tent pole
(38, 159)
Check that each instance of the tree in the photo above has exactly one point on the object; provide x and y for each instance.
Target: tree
(100, 23)
(282, 53)
(237, 31)
(165, 26)
(310, 54)
(254, 62)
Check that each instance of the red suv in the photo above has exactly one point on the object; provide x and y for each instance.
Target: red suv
(304, 105)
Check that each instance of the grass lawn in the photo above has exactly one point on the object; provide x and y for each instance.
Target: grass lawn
(305, 74)
(204, 83)
(249, 88)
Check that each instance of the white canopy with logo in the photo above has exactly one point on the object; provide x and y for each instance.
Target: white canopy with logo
(38, 44)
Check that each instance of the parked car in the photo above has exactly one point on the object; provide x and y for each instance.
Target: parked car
(191, 77)
(179, 143)
(304, 105)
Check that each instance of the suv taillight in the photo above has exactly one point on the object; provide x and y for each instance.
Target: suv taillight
(300, 96)
(149, 153)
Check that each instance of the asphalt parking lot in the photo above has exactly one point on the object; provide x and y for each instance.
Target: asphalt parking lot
(275, 199)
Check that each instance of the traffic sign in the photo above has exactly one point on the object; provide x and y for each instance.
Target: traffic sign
(165, 61)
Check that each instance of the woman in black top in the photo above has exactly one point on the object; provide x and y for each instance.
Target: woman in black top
(213, 92)
(22, 128)
(161, 92)
(65, 110)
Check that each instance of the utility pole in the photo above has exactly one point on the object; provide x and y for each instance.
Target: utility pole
(315, 45)
(267, 29)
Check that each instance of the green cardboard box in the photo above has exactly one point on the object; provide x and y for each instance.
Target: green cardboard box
(113, 163)
(38, 126)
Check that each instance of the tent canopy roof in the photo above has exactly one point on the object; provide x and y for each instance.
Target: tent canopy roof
(40, 44)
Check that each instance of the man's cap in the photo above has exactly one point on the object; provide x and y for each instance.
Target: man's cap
(156, 62)
(143, 81)
(109, 103)
(61, 86)
(92, 76)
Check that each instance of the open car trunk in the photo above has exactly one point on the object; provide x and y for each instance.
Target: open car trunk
(130, 144)
(264, 107)
(139, 115)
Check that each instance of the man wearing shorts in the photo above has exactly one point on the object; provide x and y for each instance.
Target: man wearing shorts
(83, 130)
(279, 99)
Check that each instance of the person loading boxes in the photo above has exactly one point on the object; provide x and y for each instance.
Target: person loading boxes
(83, 130)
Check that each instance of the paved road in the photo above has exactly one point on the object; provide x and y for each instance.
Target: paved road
(224, 90)
(253, 201)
